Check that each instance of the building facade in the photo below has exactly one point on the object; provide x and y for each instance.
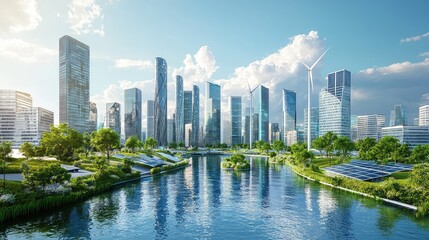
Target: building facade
(274, 131)
(424, 115)
(411, 135)
(289, 111)
(133, 113)
(171, 134)
(195, 116)
(113, 117)
(180, 126)
(264, 113)
(93, 117)
(187, 107)
(398, 116)
(335, 105)
(150, 119)
(236, 119)
(160, 102)
(74, 83)
(370, 126)
(314, 123)
(212, 116)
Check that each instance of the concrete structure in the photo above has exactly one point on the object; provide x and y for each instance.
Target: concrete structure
(370, 126)
(113, 117)
(133, 113)
(160, 102)
(424, 115)
(74, 83)
(264, 113)
(398, 116)
(212, 116)
(411, 135)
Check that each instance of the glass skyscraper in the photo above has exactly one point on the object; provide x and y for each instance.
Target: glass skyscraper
(160, 102)
(93, 116)
(370, 126)
(398, 116)
(314, 123)
(289, 112)
(187, 107)
(180, 131)
(195, 116)
(236, 116)
(150, 119)
(113, 117)
(424, 115)
(74, 83)
(334, 104)
(246, 128)
(133, 113)
(212, 114)
(264, 113)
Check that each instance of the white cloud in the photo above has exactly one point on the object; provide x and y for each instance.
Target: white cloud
(25, 51)
(404, 69)
(83, 15)
(19, 15)
(425, 54)
(129, 63)
(414, 38)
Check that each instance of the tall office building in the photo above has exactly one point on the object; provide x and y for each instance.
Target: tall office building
(113, 117)
(187, 107)
(92, 122)
(289, 111)
(398, 116)
(31, 124)
(236, 118)
(255, 127)
(170, 131)
(246, 127)
(264, 113)
(411, 135)
(353, 128)
(424, 115)
(133, 113)
(212, 115)
(274, 131)
(370, 126)
(74, 83)
(150, 119)
(160, 101)
(314, 123)
(195, 116)
(180, 126)
(226, 126)
(334, 104)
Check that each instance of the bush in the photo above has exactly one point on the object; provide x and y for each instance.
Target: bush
(7, 199)
(272, 154)
(45, 175)
(155, 170)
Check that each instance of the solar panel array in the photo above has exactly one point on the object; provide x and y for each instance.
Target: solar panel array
(367, 170)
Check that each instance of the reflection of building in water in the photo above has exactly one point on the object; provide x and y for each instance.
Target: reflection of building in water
(133, 196)
(183, 198)
(326, 203)
(78, 222)
(213, 180)
(264, 180)
(307, 191)
(161, 207)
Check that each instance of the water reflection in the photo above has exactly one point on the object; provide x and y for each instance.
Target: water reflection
(160, 211)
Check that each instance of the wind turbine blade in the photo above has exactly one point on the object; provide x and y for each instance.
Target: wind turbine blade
(256, 87)
(311, 80)
(319, 59)
(304, 64)
(248, 85)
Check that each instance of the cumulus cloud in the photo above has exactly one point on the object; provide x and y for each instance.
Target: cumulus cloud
(25, 51)
(129, 63)
(425, 54)
(414, 38)
(19, 15)
(85, 16)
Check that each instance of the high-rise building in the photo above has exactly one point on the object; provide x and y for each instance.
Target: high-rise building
(187, 107)
(226, 125)
(274, 131)
(195, 116)
(160, 101)
(424, 115)
(370, 126)
(113, 117)
(291, 137)
(314, 123)
(212, 116)
(31, 124)
(133, 113)
(398, 116)
(236, 118)
(150, 119)
(170, 131)
(246, 127)
(334, 104)
(264, 113)
(93, 117)
(180, 126)
(74, 83)
(353, 128)
(410, 135)
(289, 111)
(255, 127)
(188, 134)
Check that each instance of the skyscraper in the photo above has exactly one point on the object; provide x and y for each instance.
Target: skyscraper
(370, 126)
(180, 131)
(424, 115)
(195, 116)
(314, 123)
(235, 121)
(133, 113)
(274, 132)
(150, 119)
(334, 104)
(92, 123)
(398, 116)
(289, 112)
(113, 117)
(31, 124)
(170, 131)
(187, 107)
(160, 102)
(246, 128)
(212, 114)
(74, 83)
(264, 113)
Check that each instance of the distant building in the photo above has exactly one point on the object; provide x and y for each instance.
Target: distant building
(236, 119)
(74, 83)
(334, 104)
(289, 111)
(92, 123)
(150, 119)
(291, 137)
(398, 116)
(133, 113)
(424, 115)
(370, 126)
(170, 131)
(212, 114)
(314, 123)
(264, 113)
(226, 130)
(274, 131)
(246, 126)
(195, 116)
(188, 135)
(180, 126)
(187, 107)
(160, 102)
(300, 132)
(113, 117)
(411, 135)
(143, 136)
(353, 128)
(255, 127)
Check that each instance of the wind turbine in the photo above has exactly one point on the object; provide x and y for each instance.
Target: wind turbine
(310, 81)
(251, 112)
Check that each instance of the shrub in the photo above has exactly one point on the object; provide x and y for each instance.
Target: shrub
(272, 154)
(7, 199)
(155, 170)
(46, 175)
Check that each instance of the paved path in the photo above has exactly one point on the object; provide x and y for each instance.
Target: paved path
(19, 177)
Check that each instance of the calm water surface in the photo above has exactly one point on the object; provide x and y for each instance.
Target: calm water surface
(205, 202)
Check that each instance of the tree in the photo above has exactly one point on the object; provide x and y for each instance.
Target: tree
(259, 145)
(45, 175)
(86, 144)
(180, 145)
(420, 175)
(172, 145)
(384, 149)
(5, 150)
(27, 149)
(300, 153)
(319, 144)
(278, 145)
(132, 143)
(343, 146)
(105, 140)
(401, 153)
(266, 147)
(62, 141)
(364, 147)
(420, 153)
(329, 139)
(151, 143)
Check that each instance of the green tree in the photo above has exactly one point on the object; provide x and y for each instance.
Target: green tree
(46, 175)
(172, 145)
(384, 149)
(180, 144)
(62, 141)
(300, 154)
(329, 139)
(420, 175)
(420, 153)
(259, 145)
(278, 145)
(151, 143)
(343, 146)
(5, 149)
(402, 153)
(27, 149)
(86, 143)
(319, 144)
(266, 147)
(364, 147)
(132, 143)
(105, 140)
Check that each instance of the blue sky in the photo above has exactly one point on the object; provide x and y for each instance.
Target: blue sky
(385, 44)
